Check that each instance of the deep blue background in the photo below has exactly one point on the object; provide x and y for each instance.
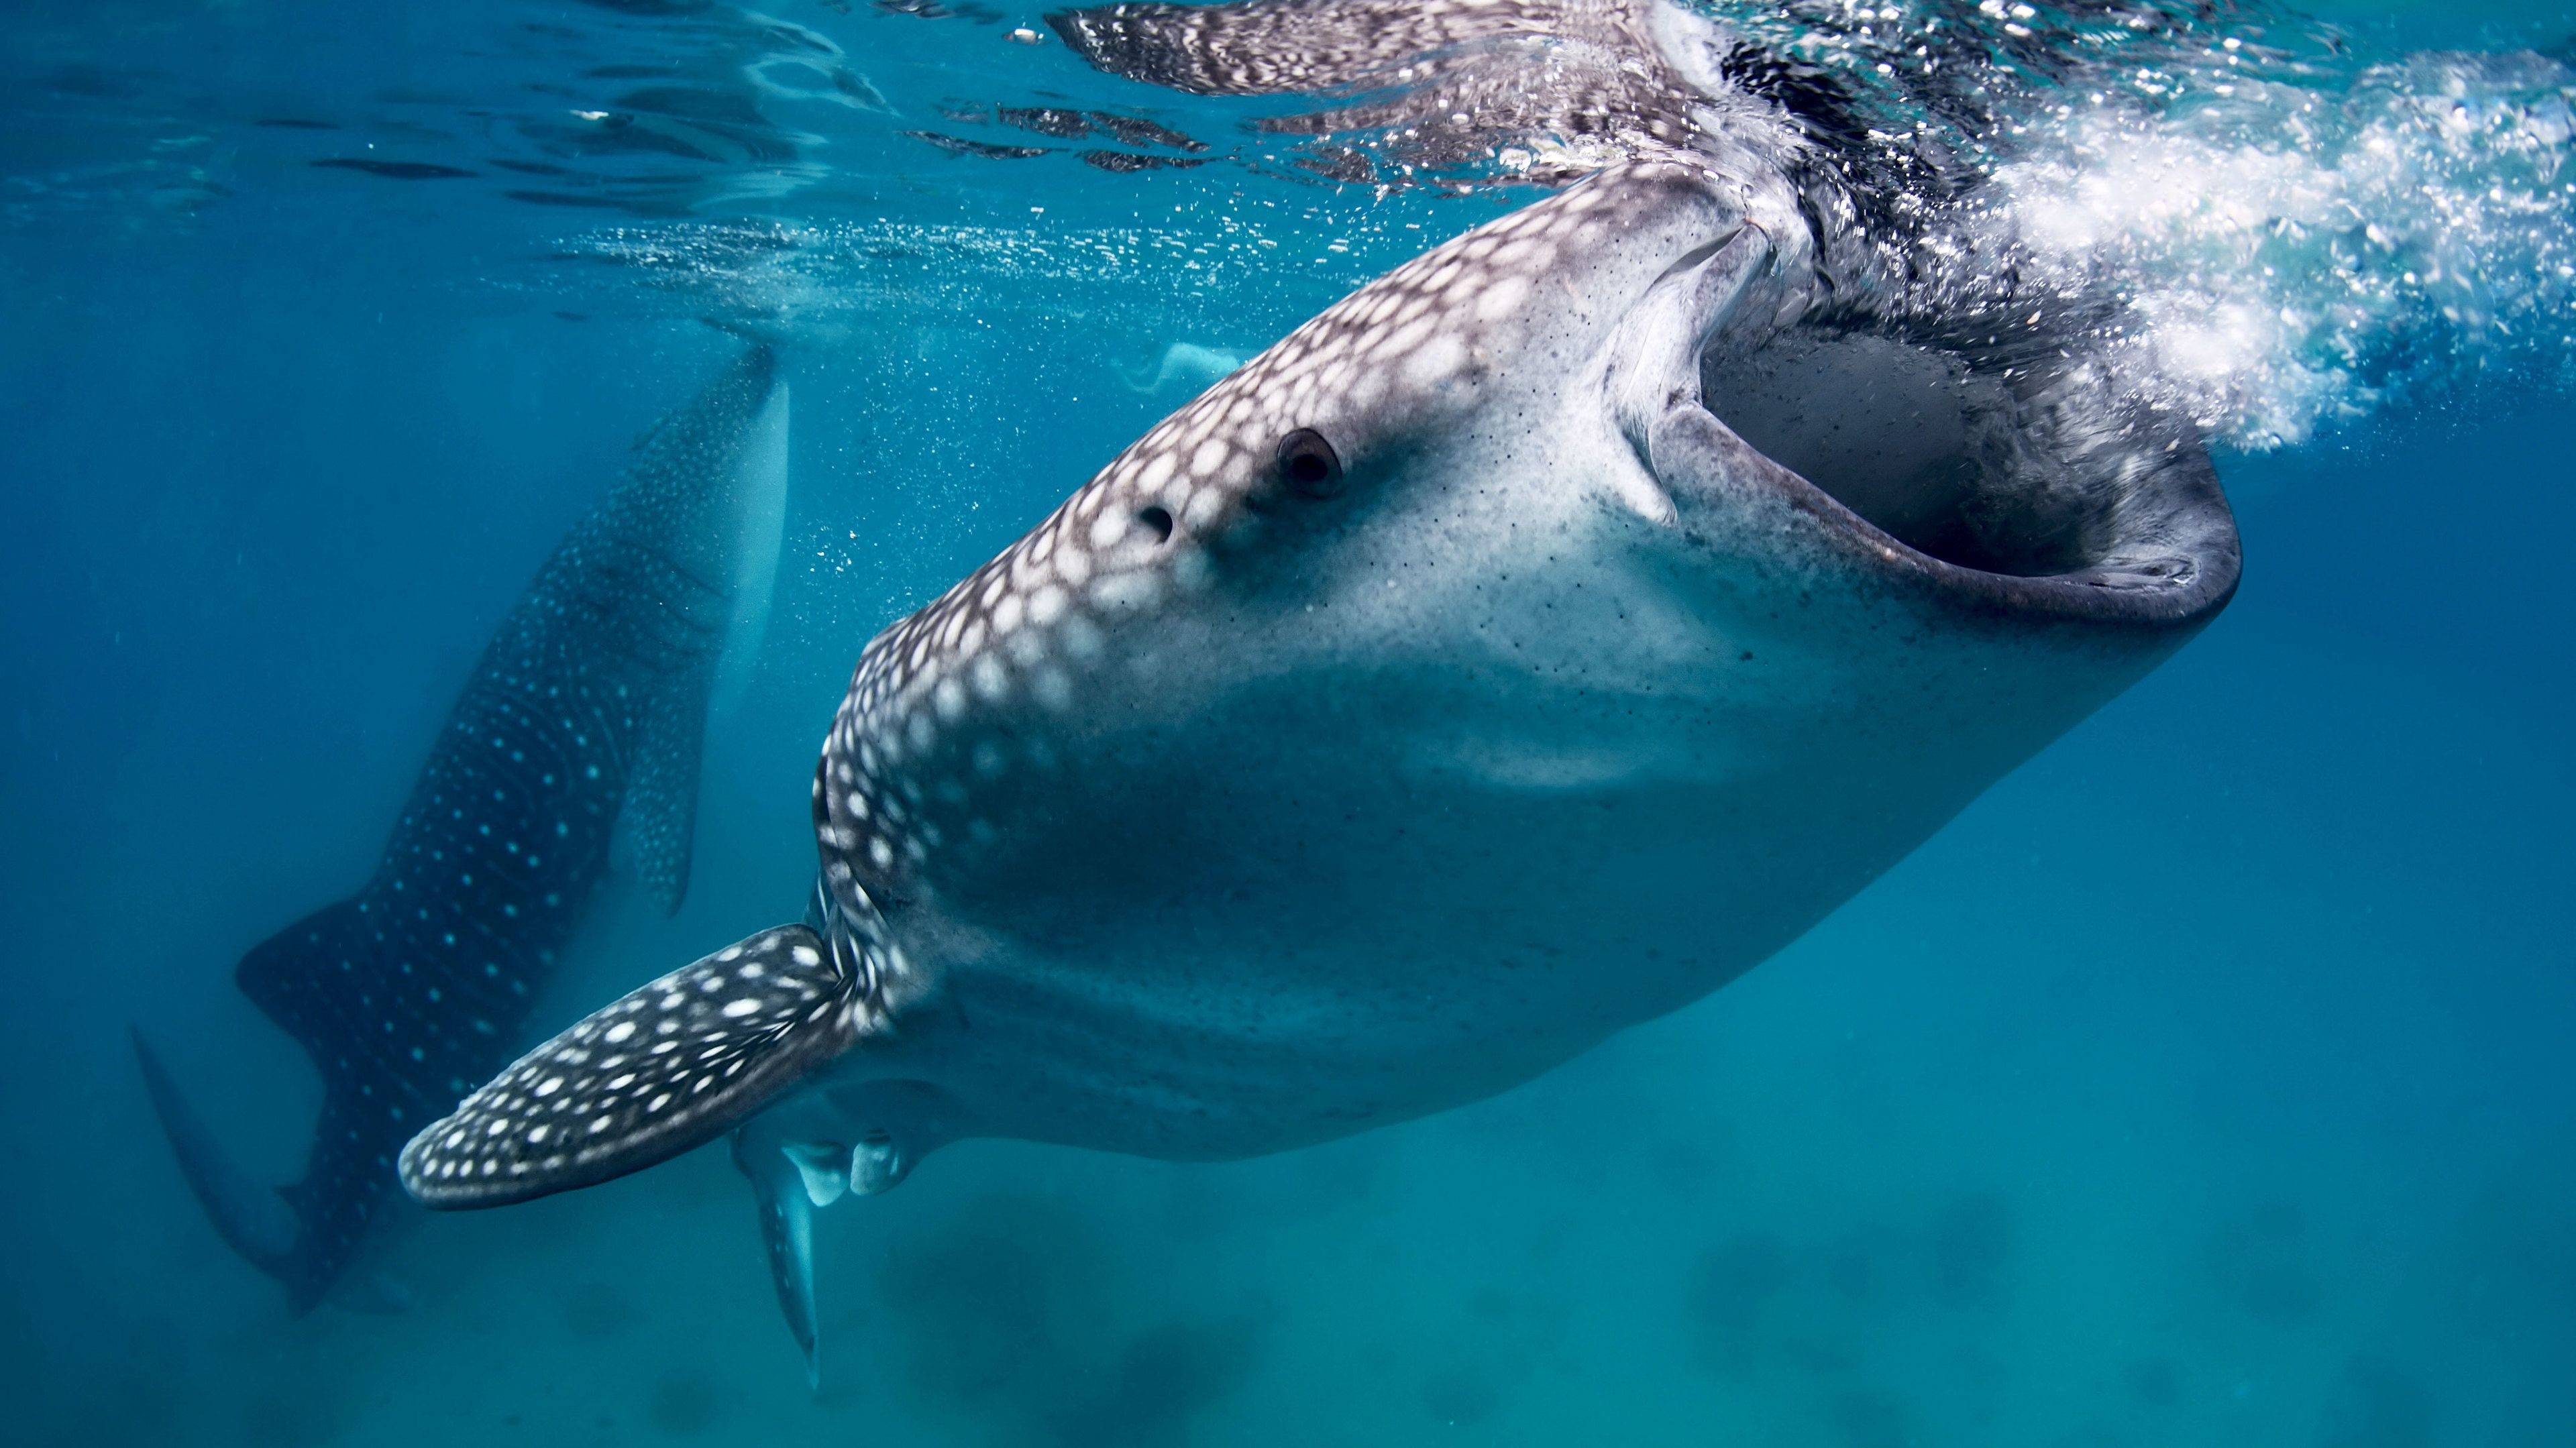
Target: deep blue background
(2207, 1082)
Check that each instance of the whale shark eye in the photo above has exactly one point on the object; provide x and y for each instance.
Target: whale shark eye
(1308, 465)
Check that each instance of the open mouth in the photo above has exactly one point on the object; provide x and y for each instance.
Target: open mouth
(2020, 500)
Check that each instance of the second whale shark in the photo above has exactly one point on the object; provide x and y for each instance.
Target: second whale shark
(579, 728)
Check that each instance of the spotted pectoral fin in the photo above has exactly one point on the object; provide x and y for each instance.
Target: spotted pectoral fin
(664, 1069)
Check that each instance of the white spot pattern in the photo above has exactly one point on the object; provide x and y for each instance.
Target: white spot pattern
(944, 696)
(756, 1015)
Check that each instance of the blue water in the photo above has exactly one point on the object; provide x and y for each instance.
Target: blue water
(2208, 1082)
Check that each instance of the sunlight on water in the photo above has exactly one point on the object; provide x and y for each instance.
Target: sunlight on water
(2284, 233)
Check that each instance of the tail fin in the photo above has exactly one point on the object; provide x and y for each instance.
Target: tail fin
(315, 979)
(247, 1213)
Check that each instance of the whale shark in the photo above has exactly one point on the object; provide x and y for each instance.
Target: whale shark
(576, 735)
(1526, 646)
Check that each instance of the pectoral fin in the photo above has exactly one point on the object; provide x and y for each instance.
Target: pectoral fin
(669, 1067)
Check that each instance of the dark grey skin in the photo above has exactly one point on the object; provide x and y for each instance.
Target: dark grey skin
(581, 720)
(1444, 691)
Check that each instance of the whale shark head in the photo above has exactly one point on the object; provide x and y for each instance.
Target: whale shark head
(1591, 449)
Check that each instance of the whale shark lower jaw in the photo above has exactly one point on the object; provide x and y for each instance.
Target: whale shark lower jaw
(1524, 647)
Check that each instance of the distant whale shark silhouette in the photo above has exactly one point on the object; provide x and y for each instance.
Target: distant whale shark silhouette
(582, 720)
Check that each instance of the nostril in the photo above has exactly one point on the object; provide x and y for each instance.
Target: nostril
(1156, 517)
